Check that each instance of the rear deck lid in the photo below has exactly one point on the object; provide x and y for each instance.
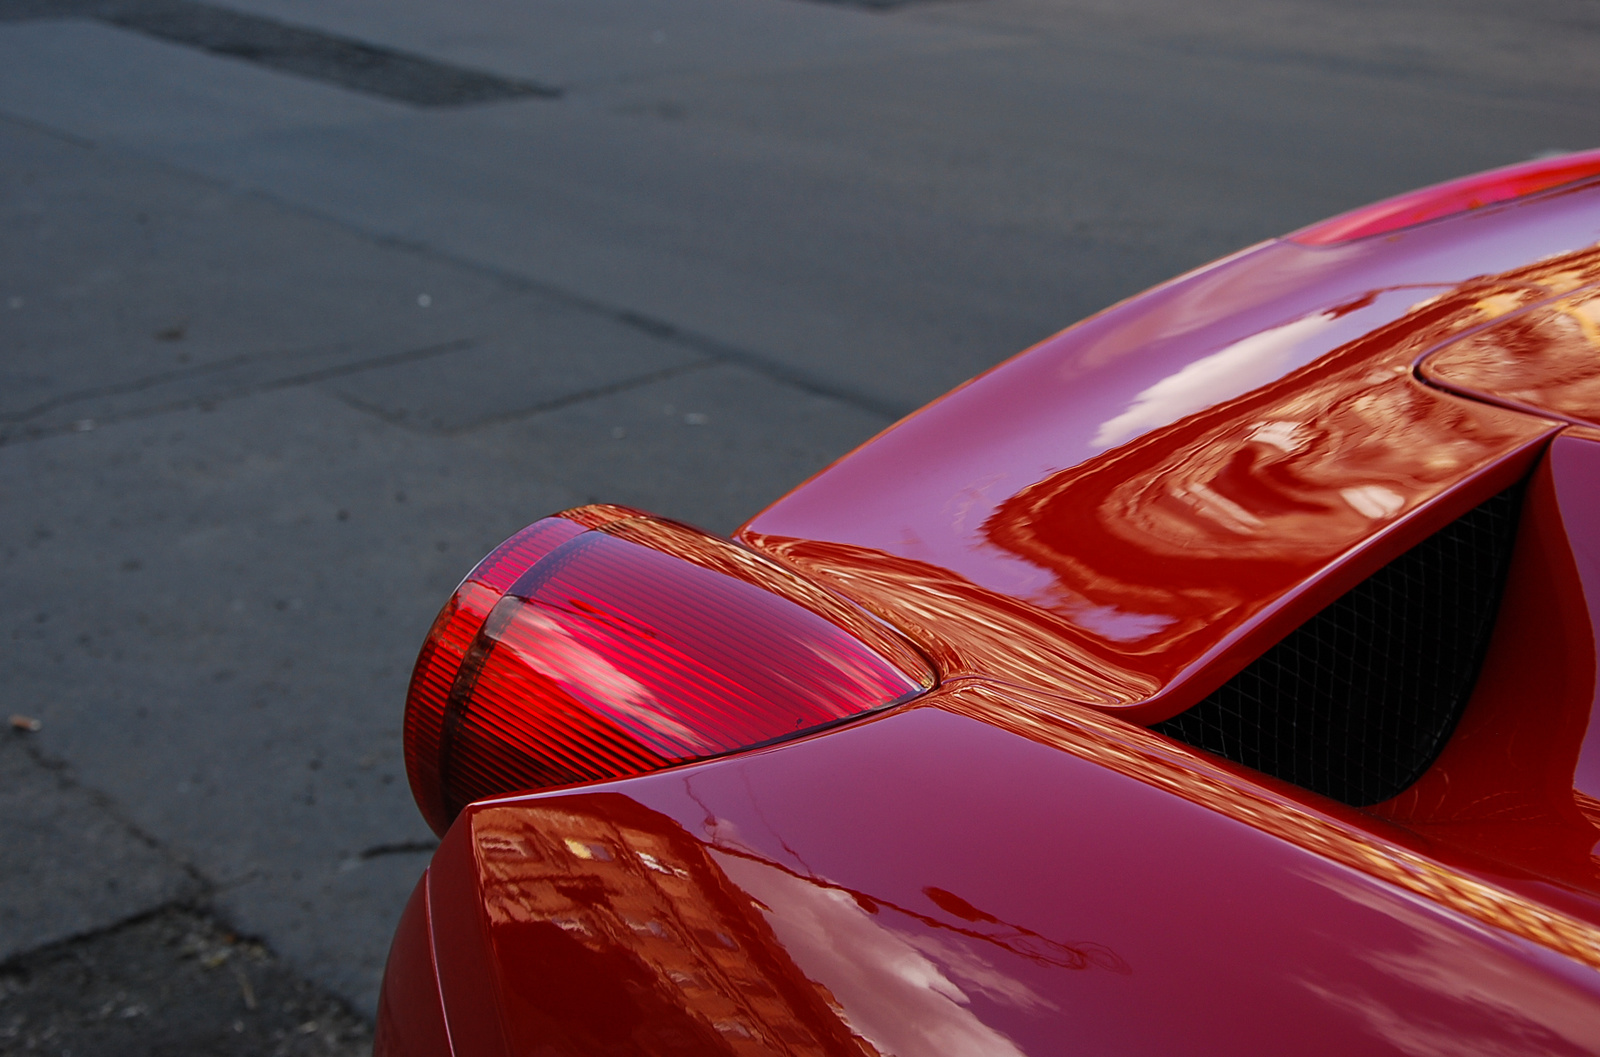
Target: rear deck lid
(1544, 358)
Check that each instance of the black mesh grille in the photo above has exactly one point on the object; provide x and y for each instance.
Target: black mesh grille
(1358, 701)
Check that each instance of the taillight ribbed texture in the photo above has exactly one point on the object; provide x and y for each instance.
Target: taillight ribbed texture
(573, 655)
(449, 640)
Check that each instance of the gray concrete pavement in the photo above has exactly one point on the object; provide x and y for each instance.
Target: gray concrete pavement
(58, 840)
(280, 359)
(894, 214)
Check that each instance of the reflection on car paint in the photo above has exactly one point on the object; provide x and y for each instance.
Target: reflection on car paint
(895, 994)
(1545, 360)
(731, 952)
(646, 933)
(1165, 563)
(1251, 362)
(678, 914)
(1198, 778)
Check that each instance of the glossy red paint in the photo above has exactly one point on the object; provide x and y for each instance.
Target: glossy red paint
(1544, 359)
(410, 1010)
(809, 899)
(1140, 579)
(1477, 191)
(469, 979)
(921, 489)
(1519, 782)
(1131, 511)
(575, 655)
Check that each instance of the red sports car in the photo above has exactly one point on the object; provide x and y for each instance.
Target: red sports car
(1217, 676)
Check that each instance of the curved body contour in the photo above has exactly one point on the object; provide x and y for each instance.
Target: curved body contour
(1092, 540)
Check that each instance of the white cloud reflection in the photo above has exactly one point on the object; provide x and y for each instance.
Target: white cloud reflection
(887, 987)
(1233, 371)
(1486, 994)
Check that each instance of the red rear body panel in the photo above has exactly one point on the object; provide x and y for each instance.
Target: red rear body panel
(411, 1020)
(1087, 540)
(993, 874)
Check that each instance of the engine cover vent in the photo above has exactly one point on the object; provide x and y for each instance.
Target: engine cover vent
(1358, 701)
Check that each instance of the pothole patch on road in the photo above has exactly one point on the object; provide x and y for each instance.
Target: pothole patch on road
(300, 50)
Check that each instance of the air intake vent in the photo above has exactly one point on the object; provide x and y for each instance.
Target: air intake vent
(1358, 701)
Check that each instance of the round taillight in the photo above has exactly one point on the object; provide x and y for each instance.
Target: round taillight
(602, 643)
(1451, 197)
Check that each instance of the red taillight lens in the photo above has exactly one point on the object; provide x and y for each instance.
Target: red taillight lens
(603, 643)
(1454, 196)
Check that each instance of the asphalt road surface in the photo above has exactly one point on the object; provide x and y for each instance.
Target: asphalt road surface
(305, 304)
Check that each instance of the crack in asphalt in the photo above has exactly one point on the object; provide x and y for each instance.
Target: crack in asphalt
(61, 771)
(179, 374)
(712, 351)
(638, 381)
(712, 348)
(251, 389)
(404, 847)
